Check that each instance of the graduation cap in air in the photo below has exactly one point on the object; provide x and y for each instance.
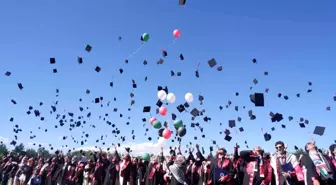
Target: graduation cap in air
(296, 148)
(197, 74)
(298, 95)
(290, 118)
(228, 138)
(254, 60)
(88, 48)
(257, 99)
(121, 71)
(232, 123)
(309, 90)
(182, 2)
(164, 53)
(255, 81)
(241, 129)
(302, 125)
(79, 60)
(145, 62)
(219, 68)
(97, 69)
(146, 109)
(54, 70)
(8, 73)
(265, 73)
(20, 86)
(212, 62)
(267, 137)
(319, 130)
(160, 61)
(181, 57)
(52, 61)
(277, 117)
(328, 108)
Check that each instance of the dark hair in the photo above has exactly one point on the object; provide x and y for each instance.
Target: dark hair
(279, 143)
(308, 150)
(332, 148)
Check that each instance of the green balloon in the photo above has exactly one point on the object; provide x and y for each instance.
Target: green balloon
(146, 157)
(145, 37)
(178, 124)
(157, 124)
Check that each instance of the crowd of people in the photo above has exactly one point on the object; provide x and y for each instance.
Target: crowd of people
(248, 167)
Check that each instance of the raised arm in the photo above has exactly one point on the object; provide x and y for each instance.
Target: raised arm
(199, 153)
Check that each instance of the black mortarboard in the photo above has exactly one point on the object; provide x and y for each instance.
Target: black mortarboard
(257, 99)
(54, 70)
(186, 105)
(328, 108)
(159, 103)
(8, 73)
(80, 60)
(335, 98)
(265, 73)
(302, 125)
(236, 108)
(212, 62)
(180, 108)
(309, 90)
(272, 128)
(164, 53)
(277, 117)
(182, 2)
(232, 123)
(20, 86)
(228, 138)
(97, 100)
(181, 57)
(319, 130)
(255, 81)
(146, 109)
(52, 61)
(286, 97)
(173, 116)
(267, 137)
(87, 91)
(227, 132)
(178, 74)
(306, 121)
(241, 129)
(121, 71)
(283, 126)
(301, 119)
(97, 69)
(172, 73)
(239, 119)
(195, 112)
(145, 62)
(88, 48)
(144, 120)
(200, 98)
(296, 148)
(298, 95)
(160, 61)
(197, 74)
(290, 118)
(254, 60)
(219, 68)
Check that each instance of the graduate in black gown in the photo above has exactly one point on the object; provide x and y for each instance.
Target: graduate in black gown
(177, 171)
(154, 174)
(112, 171)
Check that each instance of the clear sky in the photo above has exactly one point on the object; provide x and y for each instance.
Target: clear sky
(294, 41)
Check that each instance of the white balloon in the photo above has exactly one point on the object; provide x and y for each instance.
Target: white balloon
(162, 142)
(189, 97)
(162, 95)
(171, 97)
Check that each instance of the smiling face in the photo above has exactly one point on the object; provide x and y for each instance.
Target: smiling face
(280, 148)
(310, 146)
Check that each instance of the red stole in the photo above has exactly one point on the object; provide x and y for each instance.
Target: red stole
(123, 168)
(153, 170)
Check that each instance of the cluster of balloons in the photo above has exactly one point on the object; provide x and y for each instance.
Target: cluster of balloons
(162, 95)
(181, 130)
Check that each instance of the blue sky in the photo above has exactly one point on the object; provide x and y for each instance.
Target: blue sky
(293, 40)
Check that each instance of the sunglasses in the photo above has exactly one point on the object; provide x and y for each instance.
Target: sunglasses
(278, 147)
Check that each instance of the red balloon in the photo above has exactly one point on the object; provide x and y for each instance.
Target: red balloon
(163, 111)
(166, 133)
(151, 121)
(177, 33)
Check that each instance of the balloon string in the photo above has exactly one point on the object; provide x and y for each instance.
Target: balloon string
(130, 56)
(172, 43)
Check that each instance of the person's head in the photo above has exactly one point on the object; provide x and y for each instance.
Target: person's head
(310, 147)
(180, 160)
(31, 162)
(280, 147)
(221, 152)
(134, 160)
(67, 159)
(257, 150)
(126, 157)
(332, 149)
(74, 160)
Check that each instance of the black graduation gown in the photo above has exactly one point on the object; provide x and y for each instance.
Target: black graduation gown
(173, 181)
(134, 174)
(111, 175)
(141, 174)
(126, 173)
(157, 178)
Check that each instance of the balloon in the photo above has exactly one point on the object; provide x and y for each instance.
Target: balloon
(189, 97)
(160, 132)
(171, 97)
(152, 120)
(162, 95)
(162, 142)
(146, 157)
(163, 111)
(177, 33)
(178, 124)
(157, 124)
(145, 37)
(166, 133)
(182, 131)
